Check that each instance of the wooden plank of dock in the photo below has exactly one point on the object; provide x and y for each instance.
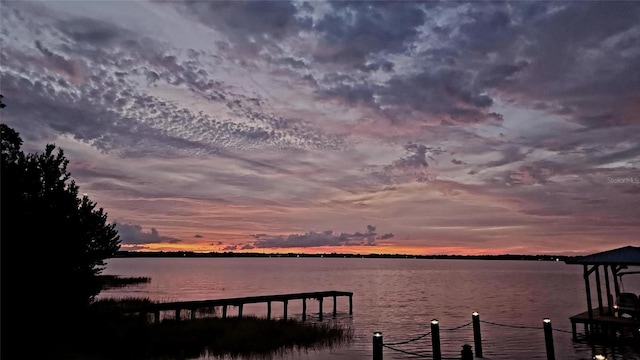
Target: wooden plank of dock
(193, 306)
(605, 322)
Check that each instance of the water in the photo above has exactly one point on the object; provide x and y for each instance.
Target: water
(398, 297)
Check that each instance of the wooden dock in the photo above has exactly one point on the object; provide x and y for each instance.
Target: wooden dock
(194, 306)
(606, 324)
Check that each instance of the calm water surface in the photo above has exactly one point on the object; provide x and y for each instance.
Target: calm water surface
(398, 297)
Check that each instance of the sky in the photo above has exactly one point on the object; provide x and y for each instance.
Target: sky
(413, 127)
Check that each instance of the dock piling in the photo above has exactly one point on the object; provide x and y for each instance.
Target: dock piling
(477, 337)
(466, 353)
(304, 309)
(435, 339)
(320, 306)
(285, 305)
(548, 339)
(377, 345)
(268, 310)
(335, 306)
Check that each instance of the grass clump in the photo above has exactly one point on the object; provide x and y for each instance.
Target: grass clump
(110, 334)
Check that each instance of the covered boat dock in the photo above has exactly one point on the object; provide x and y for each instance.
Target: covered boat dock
(606, 319)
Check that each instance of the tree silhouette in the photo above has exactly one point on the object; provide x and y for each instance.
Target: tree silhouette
(57, 242)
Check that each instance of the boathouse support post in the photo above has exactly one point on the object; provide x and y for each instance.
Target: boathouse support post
(616, 285)
(177, 314)
(193, 313)
(599, 290)
(377, 345)
(268, 310)
(588, 289)
(224, 311)
(285, 305)
(435, 340)
(548, 339)
(320, 307)
(608, 289)
(156, 316)
(304, 309)
(477, 337)
(335, 305)
(350, 305)
(240, 310)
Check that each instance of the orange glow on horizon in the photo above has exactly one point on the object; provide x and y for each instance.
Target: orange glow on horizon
(383, 249)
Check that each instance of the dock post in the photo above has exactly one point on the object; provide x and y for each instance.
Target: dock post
(477, 337)
(240, 310)
(268, 310)
(320, 304)
(224, 311)
(193, 314)
(350, 305)
(377, 345)
(466, 353)
(335, 306)
(304, 309)
(435, 340)
(156, 316)
(177, 314)
(548, 339)
(285, 305)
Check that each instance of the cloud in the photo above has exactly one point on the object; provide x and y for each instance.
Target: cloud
(133, 234)
(315, 239)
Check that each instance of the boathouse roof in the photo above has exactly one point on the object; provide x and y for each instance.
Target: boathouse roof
(628, 255)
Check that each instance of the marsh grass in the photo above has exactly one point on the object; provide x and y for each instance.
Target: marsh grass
(110, 334)
(115, 281)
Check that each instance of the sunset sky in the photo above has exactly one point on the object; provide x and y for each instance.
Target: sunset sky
(356, 127)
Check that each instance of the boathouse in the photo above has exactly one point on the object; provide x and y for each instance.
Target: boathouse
(605, 318)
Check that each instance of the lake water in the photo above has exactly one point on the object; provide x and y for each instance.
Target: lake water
(398, 297)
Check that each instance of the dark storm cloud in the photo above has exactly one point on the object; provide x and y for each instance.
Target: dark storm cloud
(91, 31)
(133, 234)
(249, 25)
(354, 31)
(313, 239)
(413, 167)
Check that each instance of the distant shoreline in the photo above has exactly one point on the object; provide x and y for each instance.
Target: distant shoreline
(181, 254)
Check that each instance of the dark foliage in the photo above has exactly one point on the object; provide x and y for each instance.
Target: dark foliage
(54, 243)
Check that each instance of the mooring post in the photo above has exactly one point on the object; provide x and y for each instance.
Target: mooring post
(177, 314)
(435, 339)
(304, 309)
(548, 339)
(466, 353)
(224, 311)
(477, 337)
(350, 305)
(268, 310)
(156, 316)
(377, 345)
(335, 306)
(240, 310)
(285, 306)
(193, 314)
(320, 305)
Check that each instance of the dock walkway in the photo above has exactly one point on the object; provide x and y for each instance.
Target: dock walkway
(194, 306)
(601, 324)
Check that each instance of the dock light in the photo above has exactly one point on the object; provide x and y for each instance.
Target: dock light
(434, 321)
(547, 321)
(475, 313)
(377, 334)
(599, 357)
